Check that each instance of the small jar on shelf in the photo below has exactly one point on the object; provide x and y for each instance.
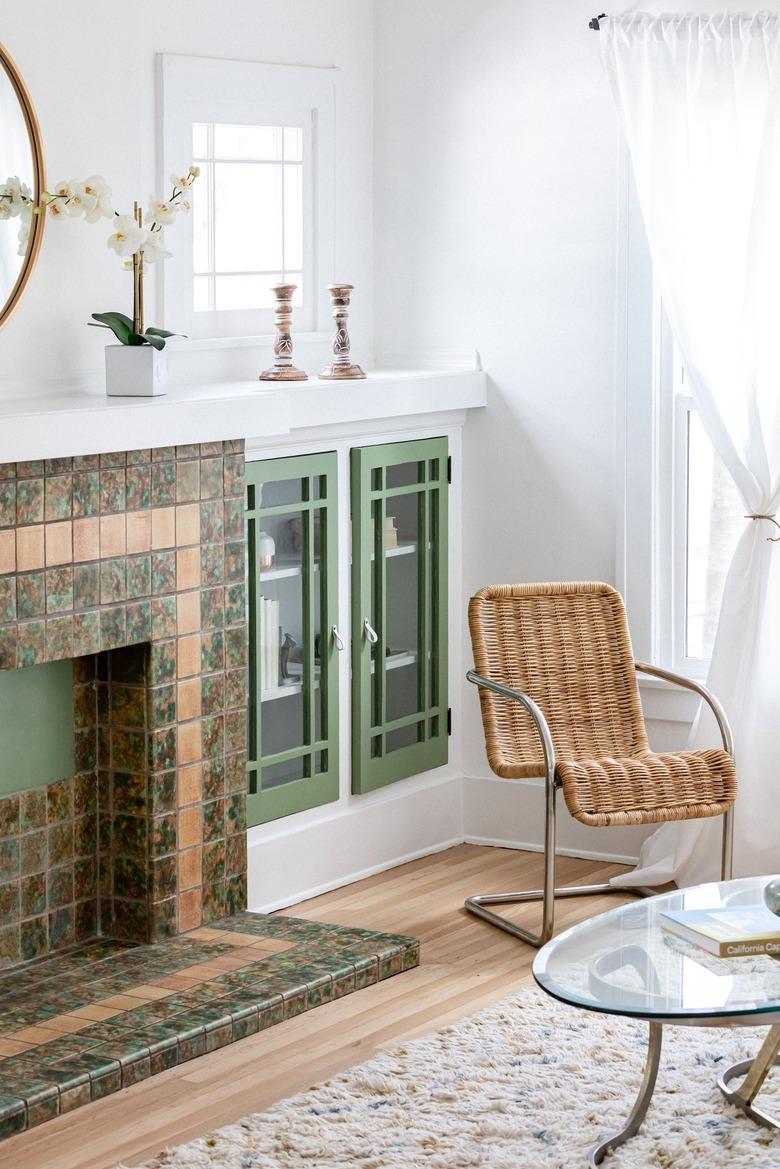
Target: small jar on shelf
(266, 550)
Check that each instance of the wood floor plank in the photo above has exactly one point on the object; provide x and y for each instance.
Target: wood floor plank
(466, 964)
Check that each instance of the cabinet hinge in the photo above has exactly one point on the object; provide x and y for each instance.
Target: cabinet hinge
(449, 468)
(449, 720)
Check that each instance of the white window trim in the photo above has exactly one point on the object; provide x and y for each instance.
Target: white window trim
(248, 91)
(651, 552)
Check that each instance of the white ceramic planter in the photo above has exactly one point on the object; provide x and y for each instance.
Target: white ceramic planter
(136, 371)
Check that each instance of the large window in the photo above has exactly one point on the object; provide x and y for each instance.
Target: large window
(263, 206)
(680, 515)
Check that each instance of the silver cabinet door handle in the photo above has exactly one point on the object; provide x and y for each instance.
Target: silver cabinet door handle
(370, 632)
(338, 640)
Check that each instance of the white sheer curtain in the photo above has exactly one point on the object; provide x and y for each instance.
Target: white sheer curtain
(699, 102)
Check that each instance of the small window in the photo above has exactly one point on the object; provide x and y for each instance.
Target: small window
(248, 215)
(263, 205)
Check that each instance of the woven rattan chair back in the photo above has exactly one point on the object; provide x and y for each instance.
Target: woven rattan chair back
(568, 647)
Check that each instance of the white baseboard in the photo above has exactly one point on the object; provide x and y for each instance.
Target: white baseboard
(350, 843)
(535, 846)
(360, 875)
(492, 807)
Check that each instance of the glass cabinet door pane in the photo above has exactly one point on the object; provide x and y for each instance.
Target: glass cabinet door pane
(291, 516)
(402, 551)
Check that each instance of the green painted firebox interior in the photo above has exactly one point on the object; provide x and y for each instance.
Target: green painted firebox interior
(36, 726)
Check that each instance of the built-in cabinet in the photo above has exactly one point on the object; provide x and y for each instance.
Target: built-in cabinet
(395, 556)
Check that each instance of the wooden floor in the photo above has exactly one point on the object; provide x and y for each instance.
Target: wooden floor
(466, 964)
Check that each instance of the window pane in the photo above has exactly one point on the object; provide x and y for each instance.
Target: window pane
(242, 292)
(250, 142)
(715, 523)
(293, 217)
(248, 217)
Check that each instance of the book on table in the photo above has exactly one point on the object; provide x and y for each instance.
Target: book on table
(728, 931)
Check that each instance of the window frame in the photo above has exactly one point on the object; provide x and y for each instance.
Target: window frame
(257, 94)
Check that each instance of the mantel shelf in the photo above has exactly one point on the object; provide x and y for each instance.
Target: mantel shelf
(86, 422)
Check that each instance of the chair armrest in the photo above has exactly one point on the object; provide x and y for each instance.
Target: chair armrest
(702, 691)
(533, 710)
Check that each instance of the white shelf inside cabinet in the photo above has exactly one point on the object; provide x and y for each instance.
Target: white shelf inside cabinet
(396, 661)
(282, 572)
(401, 550)
(286, 571)
(285, 691)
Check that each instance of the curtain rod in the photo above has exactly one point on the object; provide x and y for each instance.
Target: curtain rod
(594, 23)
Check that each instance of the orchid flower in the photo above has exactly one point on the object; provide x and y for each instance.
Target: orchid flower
(127, 238)
(153, 249)
(160, 211)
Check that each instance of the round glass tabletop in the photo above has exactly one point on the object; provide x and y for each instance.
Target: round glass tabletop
(623, 963)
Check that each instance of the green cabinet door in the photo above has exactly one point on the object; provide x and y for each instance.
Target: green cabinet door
(291, 511)
(399, 611)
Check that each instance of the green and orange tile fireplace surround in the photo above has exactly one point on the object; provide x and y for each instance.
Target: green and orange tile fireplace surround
(125, 943)
(132, 566)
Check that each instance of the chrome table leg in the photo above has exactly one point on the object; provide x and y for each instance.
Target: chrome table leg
(599, 1151)
(755, 1072)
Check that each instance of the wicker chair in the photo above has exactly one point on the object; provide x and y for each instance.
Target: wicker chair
(559, 698)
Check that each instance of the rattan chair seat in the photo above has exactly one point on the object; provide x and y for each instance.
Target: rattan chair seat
(651, 789)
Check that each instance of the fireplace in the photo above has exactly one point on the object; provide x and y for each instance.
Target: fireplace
(131, 565)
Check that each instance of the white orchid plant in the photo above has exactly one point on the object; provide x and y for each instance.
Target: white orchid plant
(136, 238)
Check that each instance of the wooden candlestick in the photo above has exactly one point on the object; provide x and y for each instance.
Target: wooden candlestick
(283, 369)
(342, 365)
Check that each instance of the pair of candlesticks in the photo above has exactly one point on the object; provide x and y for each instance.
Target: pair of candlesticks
(342, 366)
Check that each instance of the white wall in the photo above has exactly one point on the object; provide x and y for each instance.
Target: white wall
(495, 226)
(91, 74)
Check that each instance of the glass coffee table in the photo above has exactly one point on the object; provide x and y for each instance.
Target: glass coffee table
(623, 963)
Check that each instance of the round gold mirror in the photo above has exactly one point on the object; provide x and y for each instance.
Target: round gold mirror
(21, 184)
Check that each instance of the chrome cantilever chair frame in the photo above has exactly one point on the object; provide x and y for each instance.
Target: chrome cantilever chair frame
(477, 904)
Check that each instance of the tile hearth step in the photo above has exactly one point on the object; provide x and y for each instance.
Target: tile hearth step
(78, 1026)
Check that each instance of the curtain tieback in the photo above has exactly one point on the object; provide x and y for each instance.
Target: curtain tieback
(772, 520)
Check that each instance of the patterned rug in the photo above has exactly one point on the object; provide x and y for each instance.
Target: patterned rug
(525, 1083)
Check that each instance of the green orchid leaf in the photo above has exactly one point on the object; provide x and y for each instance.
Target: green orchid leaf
(120, 325)
(149, 338)
(163, 333)
(112, 317)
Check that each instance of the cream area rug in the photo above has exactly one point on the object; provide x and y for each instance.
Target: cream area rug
(526, 1083)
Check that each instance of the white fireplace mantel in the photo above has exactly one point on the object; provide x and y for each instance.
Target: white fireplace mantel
(86, 422)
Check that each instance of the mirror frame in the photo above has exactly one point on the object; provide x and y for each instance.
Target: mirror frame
(39, 184)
